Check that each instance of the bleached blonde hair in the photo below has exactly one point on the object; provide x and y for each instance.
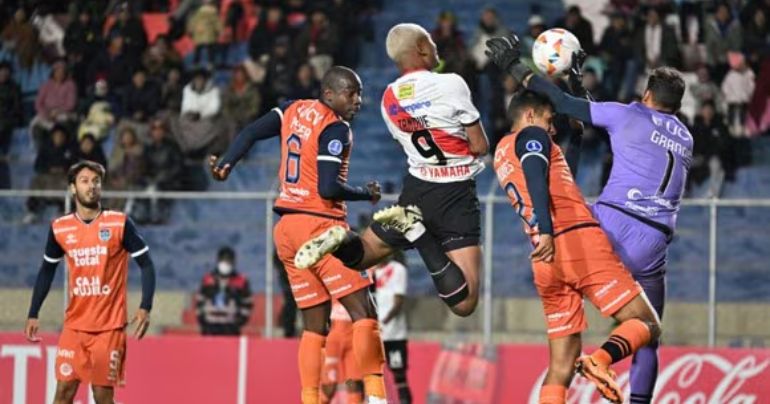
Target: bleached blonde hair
(402, 38)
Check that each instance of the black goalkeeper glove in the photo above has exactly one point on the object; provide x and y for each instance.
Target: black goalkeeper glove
(575, 78)
(505, 52)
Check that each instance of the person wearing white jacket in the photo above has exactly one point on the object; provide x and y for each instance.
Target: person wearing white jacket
(738, 88)
(200, 130)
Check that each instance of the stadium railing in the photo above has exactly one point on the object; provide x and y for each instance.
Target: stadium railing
(489, 201)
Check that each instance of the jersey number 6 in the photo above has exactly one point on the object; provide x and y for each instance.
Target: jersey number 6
(428, 147)
(293, 146)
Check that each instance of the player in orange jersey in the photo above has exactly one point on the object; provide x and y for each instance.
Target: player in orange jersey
(572, 258)
(316, 141)
(339, 362)
(96, 244)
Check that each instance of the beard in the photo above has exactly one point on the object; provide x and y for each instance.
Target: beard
(85, 201)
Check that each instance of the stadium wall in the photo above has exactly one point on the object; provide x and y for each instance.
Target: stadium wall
(515, 320)
(177, 369)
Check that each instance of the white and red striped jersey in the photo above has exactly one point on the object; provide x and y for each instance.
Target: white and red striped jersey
(427, 113)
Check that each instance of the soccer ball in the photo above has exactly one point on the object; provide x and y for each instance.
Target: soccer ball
(552, 51)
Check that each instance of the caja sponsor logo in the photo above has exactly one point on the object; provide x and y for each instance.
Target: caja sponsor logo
(90, 286)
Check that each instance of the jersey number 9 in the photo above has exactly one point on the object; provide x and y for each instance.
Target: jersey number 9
(428, 147)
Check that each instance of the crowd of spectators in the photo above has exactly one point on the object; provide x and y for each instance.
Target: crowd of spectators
(113, 86)
(127, 99)
(723, 49)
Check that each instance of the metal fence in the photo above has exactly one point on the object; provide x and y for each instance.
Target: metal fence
(489, 201)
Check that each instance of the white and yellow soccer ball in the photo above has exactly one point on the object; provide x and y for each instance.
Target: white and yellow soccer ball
(552, 51)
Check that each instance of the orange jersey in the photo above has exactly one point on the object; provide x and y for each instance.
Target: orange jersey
(568, 207)
(302, 123)
(97, 266)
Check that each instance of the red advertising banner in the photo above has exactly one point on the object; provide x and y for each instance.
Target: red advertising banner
(191, 369)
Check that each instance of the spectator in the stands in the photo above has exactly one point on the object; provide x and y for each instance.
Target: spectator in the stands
(279, 74)
(130, 27)
(489, 27)
(306, 85)
(141, 100)
(691, 33)
(55, 102)
(90, 149)
(20, 37)
(224, 301)
(705, 89)
(126, 168)
(616, 49)
(54, 158)
(296, 15)
(272, 25)
(50, 33)
(160, 57)
(723, 34)
(200, 128)
(164, 163)
(451, 47)
(756, 37)
(351, 18)
(318, 42)
(83, 35)
(580, 27)
(10, 118)
(714, 153)
(235, 28)
(204, 27)
(656, 43)
(241, 101)
(535, 27)
(738, 88)
(99, 110)
(171, 91)
(752, 6)
(114, 64)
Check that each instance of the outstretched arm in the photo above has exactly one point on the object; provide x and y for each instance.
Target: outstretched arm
(563, 103)
(505, 53)
(331, 146)
(266, 127)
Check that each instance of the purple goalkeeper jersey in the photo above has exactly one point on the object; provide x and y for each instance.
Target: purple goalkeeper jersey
(652, 153)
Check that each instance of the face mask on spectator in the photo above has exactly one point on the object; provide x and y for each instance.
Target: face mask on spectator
(224, 268)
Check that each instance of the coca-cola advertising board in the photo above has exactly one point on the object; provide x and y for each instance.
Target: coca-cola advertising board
(177, 369)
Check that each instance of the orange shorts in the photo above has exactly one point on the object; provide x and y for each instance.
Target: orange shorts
(329, 278)
(584, 266)
(92, 357)
(340, 362)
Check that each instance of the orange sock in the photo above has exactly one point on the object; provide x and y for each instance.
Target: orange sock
(310, 360)
(553, 394)
(367, 347)
(626, 339)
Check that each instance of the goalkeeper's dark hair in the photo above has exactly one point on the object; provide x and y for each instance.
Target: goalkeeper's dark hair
(667, 88)
(76, 168)
(526, 99)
